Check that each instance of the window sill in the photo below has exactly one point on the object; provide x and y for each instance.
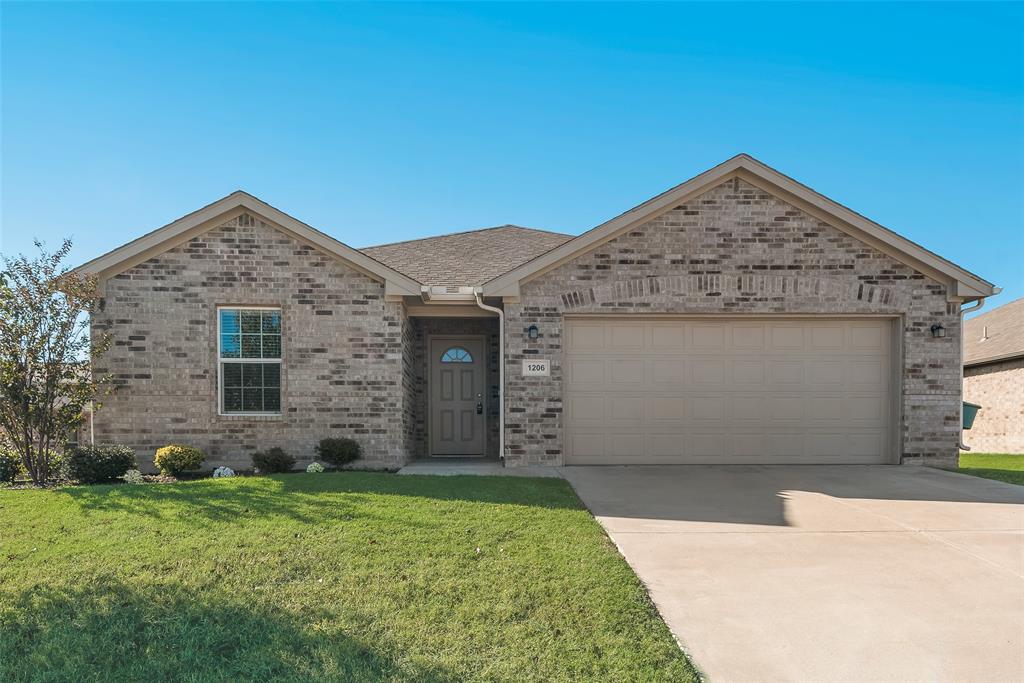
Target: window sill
(262, 417)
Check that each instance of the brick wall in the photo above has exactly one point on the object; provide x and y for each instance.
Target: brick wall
(999, 389)
(343, 369)
(736, 249)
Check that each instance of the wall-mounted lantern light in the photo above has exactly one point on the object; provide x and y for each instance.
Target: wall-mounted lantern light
(938, 331)
(532, 332)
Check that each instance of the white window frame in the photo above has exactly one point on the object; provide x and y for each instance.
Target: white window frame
(221, 360)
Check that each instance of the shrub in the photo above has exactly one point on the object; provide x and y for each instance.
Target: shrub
(314, 468)
(10, 465)
(222, 472)
(93, 464)
(272, 460)
(175, 458)
(338, 452)
(133, 477)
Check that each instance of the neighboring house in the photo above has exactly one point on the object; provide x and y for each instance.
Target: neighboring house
(737, 318)
(994, 378)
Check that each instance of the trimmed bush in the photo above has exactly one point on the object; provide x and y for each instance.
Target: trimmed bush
(10, 465)
(93, 464)
(339, 452)
(175, 459)
(314, 468)
(133, 477)
(272, 460)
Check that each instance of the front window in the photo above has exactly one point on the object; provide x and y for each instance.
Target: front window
(249, 356)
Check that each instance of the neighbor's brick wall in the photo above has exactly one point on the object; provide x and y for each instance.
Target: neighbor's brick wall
(736, 249)
(999, 389)
(342, 371)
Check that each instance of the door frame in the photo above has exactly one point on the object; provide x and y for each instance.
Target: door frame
(428, 392)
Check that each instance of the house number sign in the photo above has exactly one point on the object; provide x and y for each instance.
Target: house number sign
(536, 367)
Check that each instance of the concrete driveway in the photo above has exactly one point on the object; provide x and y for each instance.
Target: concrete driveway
(841, 573)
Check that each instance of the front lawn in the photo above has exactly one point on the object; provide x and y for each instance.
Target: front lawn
(324, 577)
(1002, 466)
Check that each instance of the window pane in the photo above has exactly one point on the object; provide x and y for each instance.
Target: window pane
(271, 375)
(230, 346)
(271, 346)
(232, 374)
(272, 399)
(456, 354)
(250, 346)
(272, 322)
(232, 400)
(252, 374)
(251, 321)
(228, 321)
(252, 400)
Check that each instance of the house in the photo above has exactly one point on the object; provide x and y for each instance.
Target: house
(994, 378)
(739, 317)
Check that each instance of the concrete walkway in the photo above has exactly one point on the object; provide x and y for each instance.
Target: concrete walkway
(856, 573)
(486, 468)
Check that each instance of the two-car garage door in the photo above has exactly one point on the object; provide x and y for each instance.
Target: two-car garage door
(717, 390)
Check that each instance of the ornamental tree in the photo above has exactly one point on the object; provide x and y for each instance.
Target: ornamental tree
(45, 346)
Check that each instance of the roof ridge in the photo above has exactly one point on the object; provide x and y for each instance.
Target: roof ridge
(465, 232)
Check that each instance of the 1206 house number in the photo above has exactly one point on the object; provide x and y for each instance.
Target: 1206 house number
(536, 368)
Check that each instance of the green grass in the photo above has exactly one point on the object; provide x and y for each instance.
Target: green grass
(1002, 466)
(328, 577)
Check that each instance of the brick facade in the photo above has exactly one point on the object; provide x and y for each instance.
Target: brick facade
(342, 360)
(999, 389)
(354, 363)
(739, 250)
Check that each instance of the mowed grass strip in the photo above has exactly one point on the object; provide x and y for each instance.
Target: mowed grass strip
(1002, 466)
(321, 577)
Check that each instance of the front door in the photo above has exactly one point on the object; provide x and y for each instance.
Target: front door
(457, 396)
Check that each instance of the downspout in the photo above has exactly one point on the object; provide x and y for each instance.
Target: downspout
(977, 304)
(501, 369)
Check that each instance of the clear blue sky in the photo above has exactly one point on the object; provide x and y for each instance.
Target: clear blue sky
(383, 122)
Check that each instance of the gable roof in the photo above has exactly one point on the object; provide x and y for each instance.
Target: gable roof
(996, 335)
(466, 258)
(962, 284)
(226, 208)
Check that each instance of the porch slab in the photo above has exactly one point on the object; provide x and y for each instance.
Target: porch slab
(488, 468)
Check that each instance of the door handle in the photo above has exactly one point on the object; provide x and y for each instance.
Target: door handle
(479, 408)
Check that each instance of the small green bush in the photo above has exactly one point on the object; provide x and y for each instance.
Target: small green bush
(339, 452)
(175, 458)
(10, 465)
(272, 460)
(94, 464)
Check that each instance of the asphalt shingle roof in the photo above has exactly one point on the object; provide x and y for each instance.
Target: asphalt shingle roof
(466, 258)
(1005, 328)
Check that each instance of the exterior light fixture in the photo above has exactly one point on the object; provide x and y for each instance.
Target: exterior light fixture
(938, 331)
(532, 332)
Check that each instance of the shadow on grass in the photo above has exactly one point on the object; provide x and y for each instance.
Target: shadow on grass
(311, 498)
(111, 631)
(1008, 476)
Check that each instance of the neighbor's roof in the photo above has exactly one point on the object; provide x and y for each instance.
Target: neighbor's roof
(1005, 330)
(466, 258)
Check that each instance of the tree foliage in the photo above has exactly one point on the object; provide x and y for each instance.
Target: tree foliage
(45, 377)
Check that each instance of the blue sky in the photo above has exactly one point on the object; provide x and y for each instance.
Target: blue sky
(384, 122)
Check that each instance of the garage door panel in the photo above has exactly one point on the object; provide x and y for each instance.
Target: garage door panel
(707, 336)
(707, 372)
(667, 337)
(657, 391)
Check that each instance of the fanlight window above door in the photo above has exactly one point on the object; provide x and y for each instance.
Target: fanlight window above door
(456, 354)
